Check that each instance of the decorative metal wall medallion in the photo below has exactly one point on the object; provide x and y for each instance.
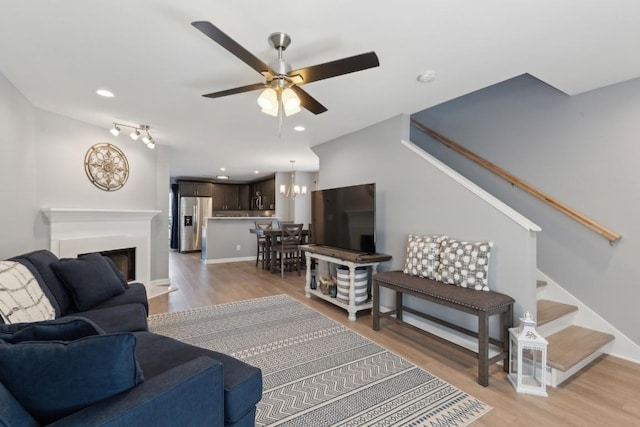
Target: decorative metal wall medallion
(106, 166)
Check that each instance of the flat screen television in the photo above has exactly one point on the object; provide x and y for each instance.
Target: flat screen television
(345, 218)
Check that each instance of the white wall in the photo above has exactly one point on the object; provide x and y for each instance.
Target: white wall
(18, 208)
(45, 168)
(414, 197)
(582, 150)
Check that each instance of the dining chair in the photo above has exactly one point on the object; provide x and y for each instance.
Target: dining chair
(261, 240)
(287, 248)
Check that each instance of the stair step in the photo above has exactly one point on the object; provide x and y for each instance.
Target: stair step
(552, 310)
(573, 344)
(541, 283)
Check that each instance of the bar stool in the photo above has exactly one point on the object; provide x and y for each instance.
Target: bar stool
(288, 248)
(261, 240)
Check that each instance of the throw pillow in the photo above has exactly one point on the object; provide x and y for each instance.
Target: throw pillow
(90, 279)
(62, 377)
(21, 297)
(465, 264)
(115, 270)
(423, 256)
(64, 329)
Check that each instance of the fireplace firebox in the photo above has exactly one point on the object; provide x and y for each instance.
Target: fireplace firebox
(124, 259)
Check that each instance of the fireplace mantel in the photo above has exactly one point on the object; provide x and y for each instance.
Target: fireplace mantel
(76, 231)
(75, 215)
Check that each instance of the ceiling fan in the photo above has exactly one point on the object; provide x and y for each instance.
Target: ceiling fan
(281, 90)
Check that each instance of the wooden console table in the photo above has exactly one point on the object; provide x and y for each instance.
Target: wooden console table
(349, 259)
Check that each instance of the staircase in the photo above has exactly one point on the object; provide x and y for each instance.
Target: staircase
(571, 347)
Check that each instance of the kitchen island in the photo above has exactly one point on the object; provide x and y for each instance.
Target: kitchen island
(227, 238)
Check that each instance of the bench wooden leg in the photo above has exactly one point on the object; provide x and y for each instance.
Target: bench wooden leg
(507, 322)
(375, 309)
(483, 349)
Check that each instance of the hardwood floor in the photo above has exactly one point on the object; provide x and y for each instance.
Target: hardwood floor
(607, 393)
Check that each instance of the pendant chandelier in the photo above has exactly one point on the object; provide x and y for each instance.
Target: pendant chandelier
(292, 191)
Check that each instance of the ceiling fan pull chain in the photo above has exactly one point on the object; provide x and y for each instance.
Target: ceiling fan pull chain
(280, 112)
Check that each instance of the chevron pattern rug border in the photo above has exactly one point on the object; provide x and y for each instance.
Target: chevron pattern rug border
(317, 372)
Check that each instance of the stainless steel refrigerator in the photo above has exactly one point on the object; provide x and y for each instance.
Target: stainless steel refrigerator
(193, 211)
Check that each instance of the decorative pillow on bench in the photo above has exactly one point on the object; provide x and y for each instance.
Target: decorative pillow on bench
(423, 256)
(465, 264)
(58, 367)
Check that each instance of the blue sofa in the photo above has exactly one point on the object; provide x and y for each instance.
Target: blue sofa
(156, 381)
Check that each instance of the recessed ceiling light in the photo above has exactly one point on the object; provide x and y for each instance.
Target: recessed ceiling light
(106, 93)
(299, 128)
(223, 169)
(256, 171)
(222, 176)
(427, 77)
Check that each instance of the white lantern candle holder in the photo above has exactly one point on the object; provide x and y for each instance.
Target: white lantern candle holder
(528, 358)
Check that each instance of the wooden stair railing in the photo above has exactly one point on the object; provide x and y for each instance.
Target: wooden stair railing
(513, 180)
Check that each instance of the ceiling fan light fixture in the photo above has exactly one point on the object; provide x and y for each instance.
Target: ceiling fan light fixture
(268, 99)
(290, 102)
(290, 99)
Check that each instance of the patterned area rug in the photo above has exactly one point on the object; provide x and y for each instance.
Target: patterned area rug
(317, 372)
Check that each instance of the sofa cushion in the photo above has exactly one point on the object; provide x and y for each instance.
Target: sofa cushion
(64, 329)
(135, 294)
(41, 260)
(12, 413)
(465, 264)
(242, 382)
(90, 279)
(21, 297)
(62, 377)
(121, 318)
(423, 256)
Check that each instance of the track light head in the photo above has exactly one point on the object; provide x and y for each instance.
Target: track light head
(136, 133)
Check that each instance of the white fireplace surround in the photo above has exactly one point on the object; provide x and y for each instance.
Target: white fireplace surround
(79, 231)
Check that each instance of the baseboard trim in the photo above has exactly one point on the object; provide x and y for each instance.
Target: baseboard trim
(224, 260)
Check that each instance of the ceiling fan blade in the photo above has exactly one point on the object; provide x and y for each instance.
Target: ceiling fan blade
(233, 91)
(309, 102)
(215, 34)
(337, 67)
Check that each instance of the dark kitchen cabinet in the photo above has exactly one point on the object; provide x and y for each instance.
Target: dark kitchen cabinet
(194, 189)
(244, 197)
(218, 197)
(266, 190)
(226, 197)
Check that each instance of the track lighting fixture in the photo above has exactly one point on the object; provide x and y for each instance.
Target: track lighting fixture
(136, 133)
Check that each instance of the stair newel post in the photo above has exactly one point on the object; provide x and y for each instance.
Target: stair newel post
(528, 358)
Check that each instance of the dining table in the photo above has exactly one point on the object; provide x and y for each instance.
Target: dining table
(271, 237)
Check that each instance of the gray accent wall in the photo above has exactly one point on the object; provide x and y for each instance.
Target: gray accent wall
(582, 150)
(414, 197)
(42, 165)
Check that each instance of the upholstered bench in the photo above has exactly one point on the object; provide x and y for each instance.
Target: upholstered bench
(482, 304)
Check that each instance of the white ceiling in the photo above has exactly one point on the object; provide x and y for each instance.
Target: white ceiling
(58, 52)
